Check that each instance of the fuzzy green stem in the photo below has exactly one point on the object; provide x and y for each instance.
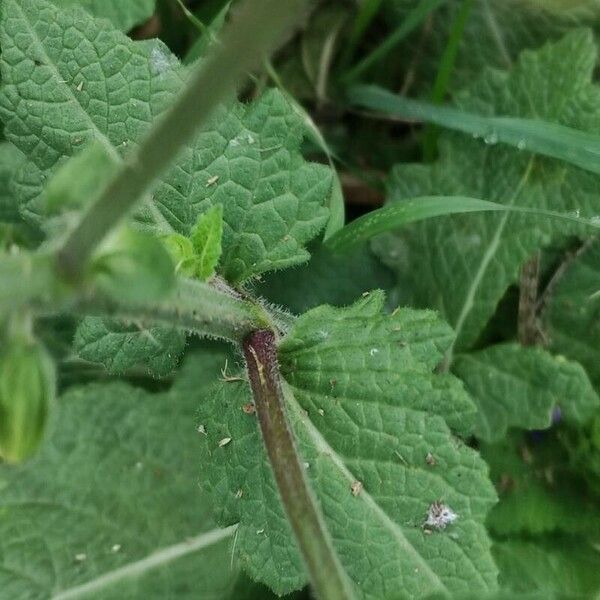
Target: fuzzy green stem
(207, 309)
(193, 306)
(252, 34)
(326, 574)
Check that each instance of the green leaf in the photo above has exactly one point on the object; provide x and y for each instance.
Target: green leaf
(572, 315)
(514, 386)
(181, 251)
(445, 72)
(206, 238)
(208, 33)
(495, 33)
(539, 492)
(327, 279)
(583, 447)
(368, 413)
(120, 346)
(10, 160)
(463, 265)
(247, 157)
(349, 346)
(110, 508)
(123, 14)
(558, 568)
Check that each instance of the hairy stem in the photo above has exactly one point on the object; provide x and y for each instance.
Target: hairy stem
(207, 309)
(326, 574)
(193, 306)
(252, 34)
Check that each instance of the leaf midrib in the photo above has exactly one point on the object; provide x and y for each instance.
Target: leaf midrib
(146, 564)
(322, 444)
(486, 259)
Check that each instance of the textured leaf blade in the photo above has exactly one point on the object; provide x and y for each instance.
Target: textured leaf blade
(113, 486)
(514, 386)
(350, 431)
(557, 568)
(494, 35)
(123, 14)
(477, 257)
(328, 278)
(247, 157)
(333, 352)
(120, 347)
(572, 316)
(546, 523)
(10, 161)
(539, 493)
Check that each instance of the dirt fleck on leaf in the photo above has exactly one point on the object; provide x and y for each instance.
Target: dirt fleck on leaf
(249, 408)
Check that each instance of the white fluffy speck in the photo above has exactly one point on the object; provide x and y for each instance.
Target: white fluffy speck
(439, 515)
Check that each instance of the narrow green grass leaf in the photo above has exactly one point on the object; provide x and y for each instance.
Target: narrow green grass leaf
(444, 73)
(541, 137)
(411, 210)
(367, 11)
(409, 24)
(208, 34)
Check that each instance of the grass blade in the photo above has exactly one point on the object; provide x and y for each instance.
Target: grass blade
(445, 69)
(400, 213)
(540, 137)
(367, 11)
(409, 24)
